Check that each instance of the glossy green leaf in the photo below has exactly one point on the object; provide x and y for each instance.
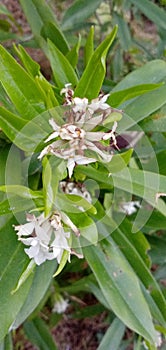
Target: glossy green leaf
(92, 78)
(144, 184)
(21, 191)
(89, 46)
(53, 171)
(71, 202)
(72, 55)
(78, 12)
(7, 343)
(120, 287)
(13, 261)
(156, 125)
(53, 33)
(118, 97)
(63, 71)
(31, 66)
(38, 333)
(113, 336)
(138, 182)
(150, 73)
(119, 161)
(21, 132)
(152, 11)
(38, 13)
(134, 246)
(33, 69)
(86, 226)
(15, 205)
(37, 291)
(27, 98)
(142, 107)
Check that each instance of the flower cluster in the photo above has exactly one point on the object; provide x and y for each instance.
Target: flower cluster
(74, 139)
(46, 236)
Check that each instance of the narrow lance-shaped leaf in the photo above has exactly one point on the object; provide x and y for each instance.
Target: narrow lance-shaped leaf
(134, 247)
(13, 261)
(62, 69)
(38, 289)
(123, 31)
(92, 78)
(33, 68)
(38, 334)
(113, 336)
(27, 98)
(120, 287)
(21, 132)
(89, 46)
(78, 12)
(53, 172)
(72, 55)
(152, 11)
(52, 32)
(116, 98)
(38, 13)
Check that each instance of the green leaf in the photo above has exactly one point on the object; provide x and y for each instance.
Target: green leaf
(21, 132)
(134, 247)
(124, 34)
(53, 171)
(7, 343)
(119, 161)
(86, 226)
(72, 55)
(38, 289)
(62, 264)
(15, 205)
(89, 46)
(152, 11)
(27, 98)
(138, 182)
(92, 78)
(142, 107)
(78, 12)
(13, 261)
(31, 66)
(113, 336)
(118, 97)
(21, 191)
(144, 184)
(71, 203)
(38, 13)
(156, 125)
(33, 69)
(52, 32)
(38, 333)
(120, 287)
(151, 73)
(62, 70)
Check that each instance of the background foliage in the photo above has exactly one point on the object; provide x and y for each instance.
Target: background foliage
(124, 275)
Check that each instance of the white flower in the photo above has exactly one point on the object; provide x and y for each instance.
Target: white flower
(99, 103)
(45, 236)
(130, 207)
(60, 305)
